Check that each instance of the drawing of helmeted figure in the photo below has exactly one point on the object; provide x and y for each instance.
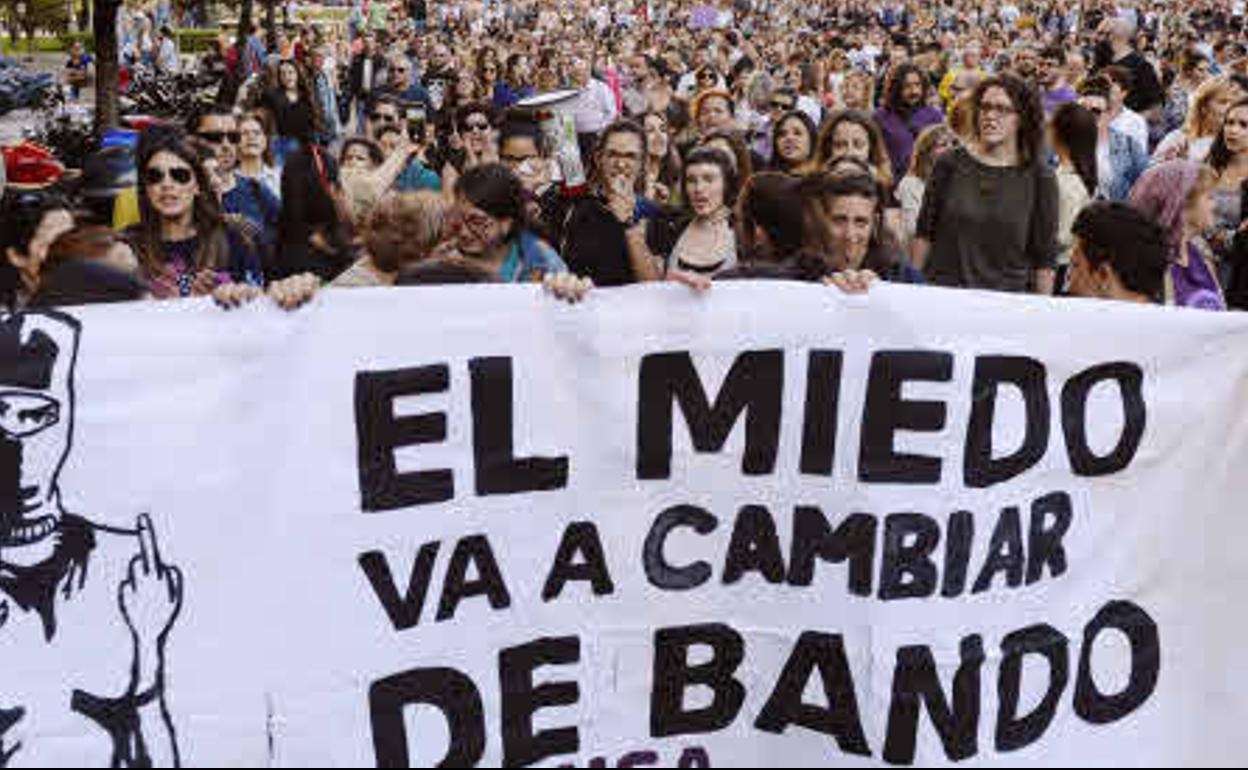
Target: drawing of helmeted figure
(85, 609)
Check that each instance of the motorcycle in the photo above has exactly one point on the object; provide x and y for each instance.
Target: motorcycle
(21, 88)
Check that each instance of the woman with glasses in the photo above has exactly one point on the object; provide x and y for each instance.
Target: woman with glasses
(608, 234)
(295, 112)
(33, 220)
(490, 227)
(989, 216)
(184, 243)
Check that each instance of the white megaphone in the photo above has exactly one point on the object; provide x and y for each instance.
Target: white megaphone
(553, 113)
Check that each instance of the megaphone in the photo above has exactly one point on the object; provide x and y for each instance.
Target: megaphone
(553, 113)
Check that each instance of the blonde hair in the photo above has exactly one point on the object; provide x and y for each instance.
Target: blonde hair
(924, 155)
(962, 116)
(1198, 117)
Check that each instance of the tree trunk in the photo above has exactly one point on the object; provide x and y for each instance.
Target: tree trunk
(244, 26)
(106, 67)
(84, 16)
(270, 24)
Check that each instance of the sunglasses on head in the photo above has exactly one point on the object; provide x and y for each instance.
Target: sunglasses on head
(221, 137)
(180, 175)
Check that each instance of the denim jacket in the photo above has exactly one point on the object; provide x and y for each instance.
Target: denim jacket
(1128, 160)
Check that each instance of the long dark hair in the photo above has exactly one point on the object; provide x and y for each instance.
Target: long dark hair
(713, 156)
(811, 131)
(22, 213)
(893, 101)
(310, 206)
(770, 202)
(1075, 128)
(1027, 104)
(670, 166)
(213, 249)
(1220, 155)
(303, 84)
(493, 188)
(879, 157)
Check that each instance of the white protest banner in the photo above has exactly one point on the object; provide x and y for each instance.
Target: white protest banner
(774, 525)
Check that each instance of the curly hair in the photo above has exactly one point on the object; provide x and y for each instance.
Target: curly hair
(1027, 104)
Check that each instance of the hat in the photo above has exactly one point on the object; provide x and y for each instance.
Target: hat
(28, 165)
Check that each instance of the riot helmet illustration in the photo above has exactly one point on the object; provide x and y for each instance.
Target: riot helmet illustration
(37, 353)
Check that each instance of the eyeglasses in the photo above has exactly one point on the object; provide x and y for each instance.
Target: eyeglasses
(478, 126)
(221, 137)
(784, 106)
(179, 174)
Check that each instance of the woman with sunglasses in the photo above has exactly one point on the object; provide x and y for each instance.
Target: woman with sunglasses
(295, 111)
(473, 132)
(33, 220)
(184, 243)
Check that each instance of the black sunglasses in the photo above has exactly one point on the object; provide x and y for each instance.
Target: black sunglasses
(221, 137)
(382, 118)
(180, 175)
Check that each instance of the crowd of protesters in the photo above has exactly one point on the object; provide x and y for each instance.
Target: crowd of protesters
(1094, 149)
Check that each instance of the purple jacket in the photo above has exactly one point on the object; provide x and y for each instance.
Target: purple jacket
(900, 134)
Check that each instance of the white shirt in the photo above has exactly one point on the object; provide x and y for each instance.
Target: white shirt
(1133, 125)
(594, 108)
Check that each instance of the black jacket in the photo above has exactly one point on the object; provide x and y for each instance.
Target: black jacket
(355, 77)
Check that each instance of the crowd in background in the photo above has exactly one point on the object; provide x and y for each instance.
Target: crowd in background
(1095, 149)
